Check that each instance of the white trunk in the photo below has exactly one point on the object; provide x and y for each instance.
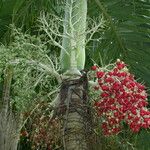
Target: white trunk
(74, 32)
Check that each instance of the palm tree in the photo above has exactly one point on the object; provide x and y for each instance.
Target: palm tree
(125, 36)
(73, 94)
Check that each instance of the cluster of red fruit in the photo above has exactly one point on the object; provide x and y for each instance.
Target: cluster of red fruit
(44, 133)
(122, 99)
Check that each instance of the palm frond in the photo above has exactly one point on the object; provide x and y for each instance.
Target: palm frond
(126, 36)
(23, 14)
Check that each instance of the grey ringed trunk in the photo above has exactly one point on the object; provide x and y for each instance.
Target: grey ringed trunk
(74, 111)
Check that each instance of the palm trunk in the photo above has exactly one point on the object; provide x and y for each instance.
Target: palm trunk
(74, 35)
(9, 129)
(9, 135)
(73, 96)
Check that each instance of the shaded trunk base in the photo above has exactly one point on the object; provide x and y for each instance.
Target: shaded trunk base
(75, 114)
(9, 129)
(9, 133)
